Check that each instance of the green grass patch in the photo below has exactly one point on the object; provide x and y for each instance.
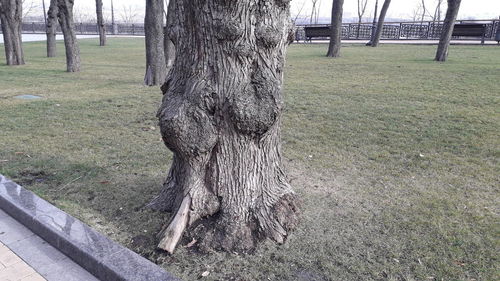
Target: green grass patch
(395, 157)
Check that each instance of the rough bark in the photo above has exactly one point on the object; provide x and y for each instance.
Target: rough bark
(220, 115)
(65, 16)
(449, 23)
(380, 24)
(155, 53)
(335, 36)
(100, 23)
(51, 29)
(11, 12)
(169, 47)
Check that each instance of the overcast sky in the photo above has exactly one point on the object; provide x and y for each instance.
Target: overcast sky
(479, 9)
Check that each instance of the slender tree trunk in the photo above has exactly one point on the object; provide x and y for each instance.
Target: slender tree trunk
(155, 53)
(374, 24)
(380, 24)
(65, 15)
(313, 11)
(359, 28)
(11, 12)
(449, 23)
(169, 47)
(335, 36)
(439, 11)
(52, 28)
(221, 116)
(113, 23)
(424, 10)
(361, 11)
(100, 23)
(44, 13)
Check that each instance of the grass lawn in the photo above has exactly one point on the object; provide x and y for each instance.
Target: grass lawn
(396, 158)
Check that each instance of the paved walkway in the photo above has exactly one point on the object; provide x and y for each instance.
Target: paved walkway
(24, 256)
(12, 267)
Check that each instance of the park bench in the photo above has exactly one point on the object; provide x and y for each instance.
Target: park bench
(470, 30)
(317, 32)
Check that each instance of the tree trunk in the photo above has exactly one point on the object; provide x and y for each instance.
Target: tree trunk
(100, 23)
(52, 29)
(335, 36)
(113, 23)
(220, 116)
(449, 23)
(359, 28)
(44, 13)
(380, 24)
(374, 24)
(65, 15)
(169, 48)
(155, 53)
(11, 12)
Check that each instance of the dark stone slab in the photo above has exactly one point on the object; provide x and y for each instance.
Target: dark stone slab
(124, 263)
(93, 251)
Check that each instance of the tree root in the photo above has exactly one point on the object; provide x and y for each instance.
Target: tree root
(173, 232)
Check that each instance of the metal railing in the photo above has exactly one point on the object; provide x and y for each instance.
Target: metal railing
(426, 30)
(86, 28)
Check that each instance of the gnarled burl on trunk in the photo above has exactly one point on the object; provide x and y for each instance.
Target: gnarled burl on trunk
(220, 115)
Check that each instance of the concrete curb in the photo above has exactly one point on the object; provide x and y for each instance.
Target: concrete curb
(93, 251)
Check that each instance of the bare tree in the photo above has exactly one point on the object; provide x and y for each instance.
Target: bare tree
(28, 8)
(415, 12)
(11, 12)
(83, 15)
(155, 52)
(220, 115)
(449, 23)
(335, 36)
(423, 11)
(44, 13)
(317, 12)
(299, 12)
(52, 28)
(380, 23)
(129, 14)
(113, 22)
(100, 23)
(65, 16)
(437, 11)
(361, 12)
(436, 17)
(374, 24)
(313, 12)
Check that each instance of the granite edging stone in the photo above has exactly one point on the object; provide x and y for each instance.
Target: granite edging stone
(99, 255)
